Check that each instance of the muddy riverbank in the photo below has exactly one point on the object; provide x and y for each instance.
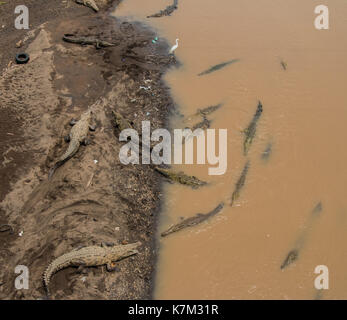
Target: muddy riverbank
(280, 165)
(92, 198)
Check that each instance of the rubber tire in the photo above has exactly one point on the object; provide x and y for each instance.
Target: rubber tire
(22, 58)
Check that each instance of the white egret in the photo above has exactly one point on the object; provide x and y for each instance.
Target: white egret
(174, 47)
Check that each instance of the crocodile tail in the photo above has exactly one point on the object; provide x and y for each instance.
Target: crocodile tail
(45, 280)
(51, 172)
(70, 152)
(93, 5)
(48, 293)
(56, 166)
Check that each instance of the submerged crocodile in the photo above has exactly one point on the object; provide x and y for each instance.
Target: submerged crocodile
(166, 12)
(284, 65)
(90, 257)
(251, 129)
(87, 41)
(293, 254)
(267, 152)
(217, 67)
(88, 3)
(193, 221)
(204, 124)
(291, 257)
(181, 178)
(77, 136)
(208, 110)
(239, 184)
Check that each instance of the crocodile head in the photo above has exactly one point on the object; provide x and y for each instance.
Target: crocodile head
(86, 115)
(121, 252)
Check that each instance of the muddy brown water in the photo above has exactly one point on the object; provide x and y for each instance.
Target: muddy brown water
(238, 253)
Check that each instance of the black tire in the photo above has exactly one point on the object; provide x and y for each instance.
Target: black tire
(22, 58)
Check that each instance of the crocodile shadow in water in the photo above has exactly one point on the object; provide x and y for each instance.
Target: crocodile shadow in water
(218, 67)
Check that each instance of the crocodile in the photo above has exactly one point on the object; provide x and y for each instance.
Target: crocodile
(208, 110)
(193, 221)
(204, 124)
(291, 257)
(293, 254)
(240, 183)
(284, 65)
(167, 11)
(181, 178)
(87, 41)
(77, 136)
(218, 67)
(267, 152)
(88, 3)
(251, 129)
(89, 257)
